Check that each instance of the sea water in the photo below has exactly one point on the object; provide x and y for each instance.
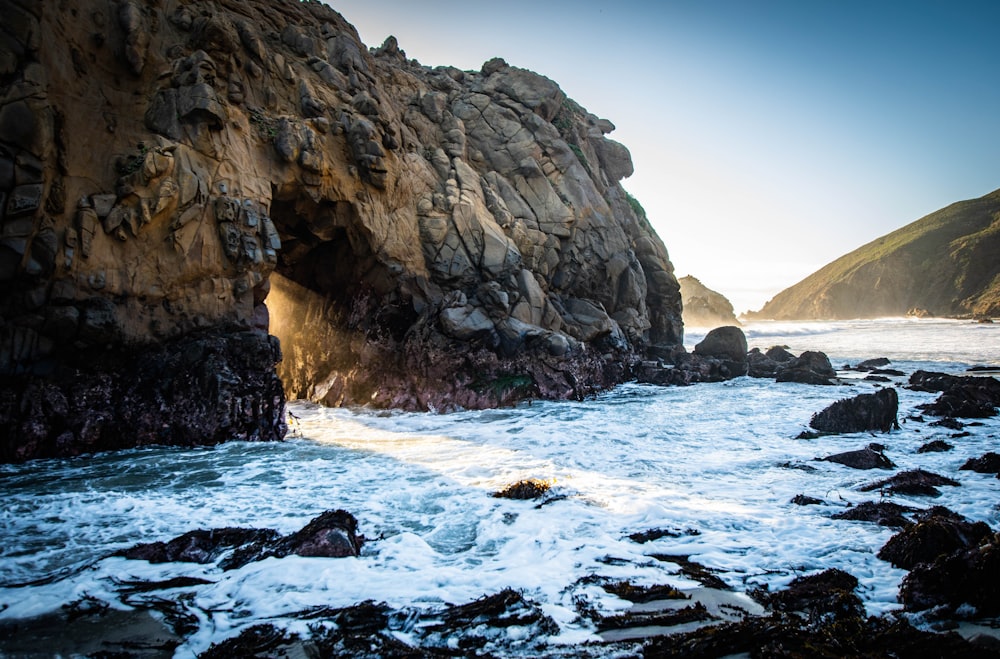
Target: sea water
(716, 464)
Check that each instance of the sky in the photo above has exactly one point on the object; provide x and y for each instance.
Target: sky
(769, 137)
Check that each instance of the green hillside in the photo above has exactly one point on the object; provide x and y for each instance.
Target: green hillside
(947, 263)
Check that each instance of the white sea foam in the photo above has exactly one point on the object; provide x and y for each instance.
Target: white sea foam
(717, 458)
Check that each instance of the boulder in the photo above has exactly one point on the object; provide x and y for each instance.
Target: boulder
(866, 458)
(728, 343)
(938, 532)
(860, 414)
(964, 577)
(988, 463)
(811, 367)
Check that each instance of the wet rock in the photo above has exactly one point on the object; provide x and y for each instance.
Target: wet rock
(964, 577)
(804, 500)
(827, 594)
(202, 546)
(947, 422)
(333, 534)
(866, 458)
(988, 463)
(789, 636)
(811, 367)
(961, 396)
(643, 537)
(938, 532)
(862, 413)
(935, 446)
(477, 623)
(256, 641)
(916, 482)
(883, 513)
(215, 388)
(872, 364)
(531, 488)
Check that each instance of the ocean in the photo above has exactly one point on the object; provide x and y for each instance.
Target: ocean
(715, 465)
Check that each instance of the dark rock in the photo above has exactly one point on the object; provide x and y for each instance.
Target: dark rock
(938, 533)
(863, 412)
(827, 594)
(967, 576)
(760, 365)
(257, 641)
(728, 345)
(779, 354)
(872, 364)
(888, 371)
(989, 463)
(202, 546)
(643, 537)
(811, 367)
(333, 534)
(876, 378)
(531, 488)
(915, 482)
(790, 636)
(936, 446)
(865, 458)
(947, 422)
(474, 621)
(803, 500)
(696, 612)
(961, 396)
(199, 390)
(883, 513)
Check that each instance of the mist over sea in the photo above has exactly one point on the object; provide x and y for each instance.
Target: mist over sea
(717, 464)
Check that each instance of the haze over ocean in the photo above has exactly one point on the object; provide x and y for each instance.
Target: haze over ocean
(769, 137)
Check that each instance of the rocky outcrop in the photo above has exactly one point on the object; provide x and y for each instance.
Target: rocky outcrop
(943, 264)
(704, 307)
(332, 534)
(160, 163)
(864, 412)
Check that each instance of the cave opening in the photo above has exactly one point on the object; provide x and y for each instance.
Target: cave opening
(332, 303)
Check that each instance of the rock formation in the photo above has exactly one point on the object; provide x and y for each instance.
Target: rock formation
(944, 264)
(443, 238)
(704, 307)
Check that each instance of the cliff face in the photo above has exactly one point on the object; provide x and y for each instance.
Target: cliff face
(436, 237)
(947, 264)
(704, 307)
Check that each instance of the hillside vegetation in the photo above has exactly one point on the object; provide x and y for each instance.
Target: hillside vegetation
(946, 264)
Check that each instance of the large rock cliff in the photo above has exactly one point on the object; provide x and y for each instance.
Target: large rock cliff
(177, 178)
(944, 264)
(704, 307)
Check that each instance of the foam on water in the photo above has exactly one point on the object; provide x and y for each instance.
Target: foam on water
(717, 458)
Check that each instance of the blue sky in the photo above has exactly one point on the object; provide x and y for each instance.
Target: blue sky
(768, 137)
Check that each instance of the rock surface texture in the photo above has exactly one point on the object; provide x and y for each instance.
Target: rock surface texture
(436, 238)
